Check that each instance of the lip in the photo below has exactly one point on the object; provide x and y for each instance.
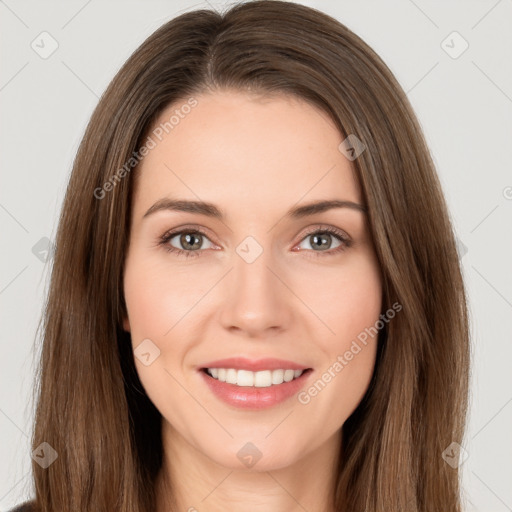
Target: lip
(243, 363)
(245, 397)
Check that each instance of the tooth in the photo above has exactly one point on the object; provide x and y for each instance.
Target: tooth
(231, 377)
(263, 379)
(288, 375)
(277, 376)
(245, 378)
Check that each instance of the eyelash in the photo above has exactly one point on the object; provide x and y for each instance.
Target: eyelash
(345, 241)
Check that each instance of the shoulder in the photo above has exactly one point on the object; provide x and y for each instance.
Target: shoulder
(27, 506)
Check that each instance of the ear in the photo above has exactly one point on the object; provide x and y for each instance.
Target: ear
(126, 323)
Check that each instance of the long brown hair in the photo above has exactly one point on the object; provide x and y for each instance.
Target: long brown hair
(91, 407)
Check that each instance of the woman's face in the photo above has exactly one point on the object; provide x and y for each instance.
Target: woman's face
(257, 283)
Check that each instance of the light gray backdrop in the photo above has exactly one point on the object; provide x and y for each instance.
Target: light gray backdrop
(58, 57)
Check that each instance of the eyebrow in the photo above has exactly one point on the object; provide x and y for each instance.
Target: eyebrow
(211, 210)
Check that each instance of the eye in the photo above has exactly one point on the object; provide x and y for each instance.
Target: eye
(322, 239)
(190, 239)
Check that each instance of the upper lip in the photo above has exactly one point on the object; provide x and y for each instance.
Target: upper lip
(254, 365)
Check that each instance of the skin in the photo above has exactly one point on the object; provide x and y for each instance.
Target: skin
(255, 158)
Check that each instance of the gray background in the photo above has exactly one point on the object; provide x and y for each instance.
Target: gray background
(465, 108)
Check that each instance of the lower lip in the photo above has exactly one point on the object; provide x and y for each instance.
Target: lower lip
(246, 397)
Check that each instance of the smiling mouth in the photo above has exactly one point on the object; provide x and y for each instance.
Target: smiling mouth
(259, 379)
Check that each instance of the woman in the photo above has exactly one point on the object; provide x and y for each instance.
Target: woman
(256, 299)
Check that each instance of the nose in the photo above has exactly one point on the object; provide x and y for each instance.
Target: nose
(256, 300)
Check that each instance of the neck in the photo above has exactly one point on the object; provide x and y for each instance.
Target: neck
(191, 481)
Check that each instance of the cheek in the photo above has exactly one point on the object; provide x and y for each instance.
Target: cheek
(347, 300)
(350, 305)
(157, 298)
(361, 300)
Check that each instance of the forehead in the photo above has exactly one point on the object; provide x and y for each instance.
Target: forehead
(255, 150)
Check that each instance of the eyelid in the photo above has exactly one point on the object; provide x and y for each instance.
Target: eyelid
(328, 229)
(187, 228)
(344, 238)
(310, 230)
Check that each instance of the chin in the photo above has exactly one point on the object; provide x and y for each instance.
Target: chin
(254, 456)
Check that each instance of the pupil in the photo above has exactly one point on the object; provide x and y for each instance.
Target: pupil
(185, 240)
(321, 239)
